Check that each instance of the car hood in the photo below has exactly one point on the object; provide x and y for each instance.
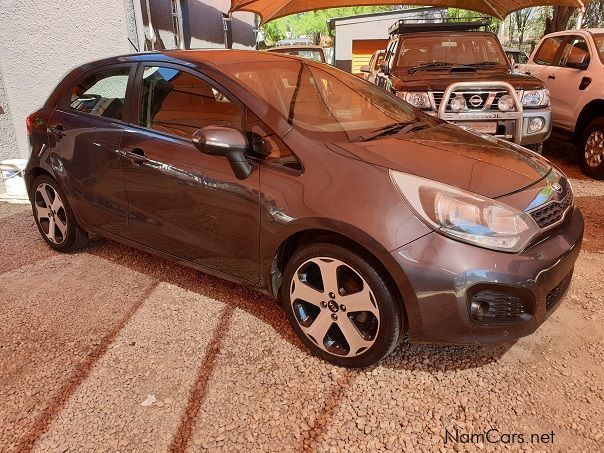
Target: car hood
(453, 156)
(440, 80)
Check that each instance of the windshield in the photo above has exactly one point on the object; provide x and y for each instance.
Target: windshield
(440, 50)
(311, 54)
(599, 40)
(326, 104)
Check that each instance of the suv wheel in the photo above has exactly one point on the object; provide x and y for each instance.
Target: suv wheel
(340, 306)
(592, 149)
(55, 218)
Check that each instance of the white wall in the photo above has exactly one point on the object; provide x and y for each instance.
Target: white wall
(41, 42)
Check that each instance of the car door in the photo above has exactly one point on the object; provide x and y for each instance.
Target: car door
(182, 202)
(84, 134)
(571, 79)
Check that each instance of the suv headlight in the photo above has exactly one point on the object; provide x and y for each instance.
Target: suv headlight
(535, 98)
(466, 216)
(419, 99)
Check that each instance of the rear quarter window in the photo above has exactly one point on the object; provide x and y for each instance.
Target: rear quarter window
(102, 93)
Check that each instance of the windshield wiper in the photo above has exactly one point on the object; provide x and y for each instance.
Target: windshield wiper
(429, 66)
(395, 128)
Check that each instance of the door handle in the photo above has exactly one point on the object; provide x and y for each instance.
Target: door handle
(527, 72)
(585, 82)
(135, 155)
(551, 76)
(58, 131)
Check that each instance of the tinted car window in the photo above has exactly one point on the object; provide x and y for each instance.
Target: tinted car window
(326, 103)
(575, 52)
(179, 103)
(101, 94)
(548, 50)
(467, 49)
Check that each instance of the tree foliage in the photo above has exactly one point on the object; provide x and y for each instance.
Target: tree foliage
(312, 24)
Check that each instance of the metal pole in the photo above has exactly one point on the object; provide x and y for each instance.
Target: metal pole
(152, 37)
(140, 25)
(226, 24)
(580, 18)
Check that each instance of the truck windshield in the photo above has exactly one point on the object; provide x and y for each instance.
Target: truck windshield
(325, 104)
(441, 51)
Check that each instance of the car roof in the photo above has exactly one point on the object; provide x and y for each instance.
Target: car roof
(207, 57)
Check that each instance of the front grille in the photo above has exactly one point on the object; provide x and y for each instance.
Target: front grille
(552, 212)
(489, 99)
(488, 306)
(554, 296)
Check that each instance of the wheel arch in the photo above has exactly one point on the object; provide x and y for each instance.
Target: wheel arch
(32, 174)
(348, 236)
(590, 111)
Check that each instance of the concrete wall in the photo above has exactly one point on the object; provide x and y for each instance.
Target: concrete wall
(370, 26)
(41, 42)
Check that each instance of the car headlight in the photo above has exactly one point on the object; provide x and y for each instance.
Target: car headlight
(466, 216)
(535, 98)
(418, 99)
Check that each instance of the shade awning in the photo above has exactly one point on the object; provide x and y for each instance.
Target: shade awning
(273, 9)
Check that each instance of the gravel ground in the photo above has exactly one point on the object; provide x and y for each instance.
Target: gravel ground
(115, 350)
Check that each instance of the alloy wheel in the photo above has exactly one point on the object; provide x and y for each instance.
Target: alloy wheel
(50, 213)
(594, 148)
(334, 306)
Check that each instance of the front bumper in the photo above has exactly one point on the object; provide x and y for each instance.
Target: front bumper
(441, 275)
(507, 123)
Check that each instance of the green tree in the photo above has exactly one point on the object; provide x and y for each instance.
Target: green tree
(312, 24)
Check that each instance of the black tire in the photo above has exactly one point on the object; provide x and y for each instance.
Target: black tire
(383, 296)
(74, 238)
(536, 147)
(594, 131)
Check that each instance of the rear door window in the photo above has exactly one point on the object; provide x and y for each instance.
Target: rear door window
(546, 55)
(101, 94)
(575, 53)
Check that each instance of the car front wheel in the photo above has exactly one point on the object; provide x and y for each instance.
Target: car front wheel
(341, 306)
(592, 149)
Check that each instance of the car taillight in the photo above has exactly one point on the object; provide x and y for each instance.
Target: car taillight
(30, 124)
(35, 121)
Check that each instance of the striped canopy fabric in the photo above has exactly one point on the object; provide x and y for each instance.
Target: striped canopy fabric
(273, 9)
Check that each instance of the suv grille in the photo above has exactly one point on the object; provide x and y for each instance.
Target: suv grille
(558, 291)
(552, 212)
(489, 99)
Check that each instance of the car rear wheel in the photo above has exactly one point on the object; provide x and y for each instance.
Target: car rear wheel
(54, 217)
(592, 149)
(341, 306)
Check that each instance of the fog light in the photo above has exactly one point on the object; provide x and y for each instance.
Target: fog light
(536, 124)
(506, 103)
(479, 309)
(458, 103)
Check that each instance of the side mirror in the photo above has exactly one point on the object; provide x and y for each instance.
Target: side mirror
(384, 68)
(365, 68)
(226, 142)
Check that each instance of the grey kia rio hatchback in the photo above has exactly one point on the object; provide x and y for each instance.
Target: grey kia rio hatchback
(364, 217)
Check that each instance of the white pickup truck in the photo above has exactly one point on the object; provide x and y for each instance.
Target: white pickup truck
(571, 64)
